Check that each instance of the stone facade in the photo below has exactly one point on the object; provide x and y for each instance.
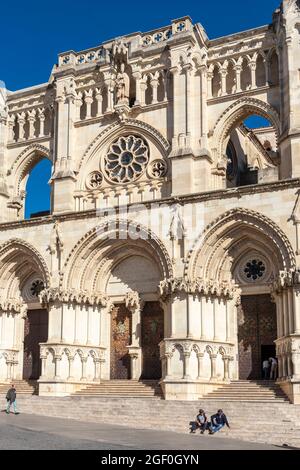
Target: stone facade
(166, 210)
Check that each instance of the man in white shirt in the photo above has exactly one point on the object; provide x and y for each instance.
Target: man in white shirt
(273, 373)
(266, 367)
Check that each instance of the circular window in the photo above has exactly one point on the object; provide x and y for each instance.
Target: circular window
(36, 288)
(254, 269)
(127, 159)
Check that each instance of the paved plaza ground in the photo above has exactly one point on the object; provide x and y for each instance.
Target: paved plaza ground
(24, 432)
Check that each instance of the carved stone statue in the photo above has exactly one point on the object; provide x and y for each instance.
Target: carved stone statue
(122, 84)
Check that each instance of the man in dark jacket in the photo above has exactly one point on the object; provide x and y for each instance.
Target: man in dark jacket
(11, 399)
(218, 421)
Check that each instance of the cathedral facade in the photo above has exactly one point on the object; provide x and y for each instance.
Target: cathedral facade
(171, 251)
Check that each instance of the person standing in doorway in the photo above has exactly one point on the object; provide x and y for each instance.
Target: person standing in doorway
(273, 372)
(266, 367)
(11, 398)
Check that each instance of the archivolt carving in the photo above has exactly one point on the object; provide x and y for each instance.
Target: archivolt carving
(235, 113)
(102, 234)
(130, 125)
(15, 244)
(210, 241)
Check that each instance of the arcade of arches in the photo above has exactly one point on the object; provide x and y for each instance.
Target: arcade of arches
(171, 250)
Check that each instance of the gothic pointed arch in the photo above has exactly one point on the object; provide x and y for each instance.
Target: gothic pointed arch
(24, 163)
(19, 261)
(91, 261)
(232, 235)
(235, 114)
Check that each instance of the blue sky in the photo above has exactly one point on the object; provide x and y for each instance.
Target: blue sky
(32, 33)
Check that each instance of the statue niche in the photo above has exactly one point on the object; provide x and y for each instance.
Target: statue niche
(122, 86)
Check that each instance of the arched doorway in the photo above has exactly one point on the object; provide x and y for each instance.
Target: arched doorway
(257, 332)
(139, 274)
(23, 276)
(247, 250)
(118, 263)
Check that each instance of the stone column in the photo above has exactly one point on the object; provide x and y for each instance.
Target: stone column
(188, 97)
(203, 104)
(88, 98)
(296, 364)
(71, 366)
(137, 76)
(8, 364)
(78, 104)
(176, 106)
(143, 88)
(290, 311)
(238, 71)
(97, 370)
(253, 74)
(186, 365)
(41, 116)
(43, 360)
(154, 85)
(21, 122)
(200, 357)
(210, 76)
(284, 371)
(224, 74)
(134, 365)
(289, 365)
(83, 364)
(31, 118)
(286, 312)
(57, 360)
(99, 100)
(213, 359)
(135, 305)
(168, 364)
(266, 64)
(280, 315)
(296, 304)
(226, 367)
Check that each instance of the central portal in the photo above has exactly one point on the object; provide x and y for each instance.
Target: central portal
(257, 331)
(120, 339)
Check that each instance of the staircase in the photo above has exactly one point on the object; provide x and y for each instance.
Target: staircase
(23, 387)
(274, 422)
(122, 389)
(249, 390)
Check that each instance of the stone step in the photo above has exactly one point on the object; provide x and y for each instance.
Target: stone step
(121, 389)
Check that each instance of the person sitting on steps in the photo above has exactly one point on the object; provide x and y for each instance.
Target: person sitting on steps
(218, 421)
(201, 423)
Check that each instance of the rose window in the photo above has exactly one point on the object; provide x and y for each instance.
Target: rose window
(127, 159)
(36, 288)
(254, 269)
